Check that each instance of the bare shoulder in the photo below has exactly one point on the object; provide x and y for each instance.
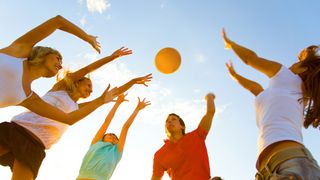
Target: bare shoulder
(16, 50)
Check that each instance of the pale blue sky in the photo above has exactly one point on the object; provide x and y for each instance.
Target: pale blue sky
(275, 29)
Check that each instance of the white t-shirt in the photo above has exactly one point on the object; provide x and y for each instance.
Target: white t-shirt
(279, 110)
(47, 130)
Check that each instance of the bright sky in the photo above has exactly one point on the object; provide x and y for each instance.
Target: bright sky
(275, 29)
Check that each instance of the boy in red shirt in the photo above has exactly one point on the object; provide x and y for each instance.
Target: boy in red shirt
(184, 156)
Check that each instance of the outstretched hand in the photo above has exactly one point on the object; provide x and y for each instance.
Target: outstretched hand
(92, 40)
(121, 98)
(227, 41)
(109, 95)
(143, 80)
(142, 104)
(121, 52)
(231, 70)
(210, 97)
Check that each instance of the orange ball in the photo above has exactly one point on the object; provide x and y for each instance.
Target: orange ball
(168, 60)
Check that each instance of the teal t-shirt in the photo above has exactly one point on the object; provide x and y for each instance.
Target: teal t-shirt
(100, 161)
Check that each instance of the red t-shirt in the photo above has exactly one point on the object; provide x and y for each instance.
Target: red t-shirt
(184, 160)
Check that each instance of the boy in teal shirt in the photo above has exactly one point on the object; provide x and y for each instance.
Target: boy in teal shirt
(106, 149)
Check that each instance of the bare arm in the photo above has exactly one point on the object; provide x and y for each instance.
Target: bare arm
(108, 119)
(251, 86)
(249, 57)
(124, 131)
(140, 80)
(97, 64)
(37, 105)
(206, 121)
(23, 45)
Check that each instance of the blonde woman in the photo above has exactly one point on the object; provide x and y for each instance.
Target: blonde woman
(21, 63)
(23, 140)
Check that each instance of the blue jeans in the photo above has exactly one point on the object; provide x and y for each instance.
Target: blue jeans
(296, 168)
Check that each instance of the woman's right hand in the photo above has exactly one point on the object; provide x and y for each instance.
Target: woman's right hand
(108, 96)
(92, 40)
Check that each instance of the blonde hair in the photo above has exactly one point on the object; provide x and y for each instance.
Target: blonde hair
(69, 84)
(39, 52)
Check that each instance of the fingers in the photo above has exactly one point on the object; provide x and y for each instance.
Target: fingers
(142, 104)
(124, 51)
(95, 44)
(107, 89)
(224, 35)
(97, 48)
(229, 65)
(210, 95)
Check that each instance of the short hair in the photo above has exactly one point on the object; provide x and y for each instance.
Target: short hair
(180, 121)
(112, 134)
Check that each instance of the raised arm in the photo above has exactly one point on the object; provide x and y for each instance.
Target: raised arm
(97, 64)
(37, 105)
(124, 131)
(206, 120)
(23, 45)
(249, 57)
(251, 86)
(139, 80)
(108, 119)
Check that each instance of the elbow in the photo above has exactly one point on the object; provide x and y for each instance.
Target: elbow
(58, 17)
(59, 20)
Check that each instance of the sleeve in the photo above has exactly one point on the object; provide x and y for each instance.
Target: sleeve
(158, 169)
(201, 133)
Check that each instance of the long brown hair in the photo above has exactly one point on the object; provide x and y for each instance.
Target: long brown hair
(311, 82)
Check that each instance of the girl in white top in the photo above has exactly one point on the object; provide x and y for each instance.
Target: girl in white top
(43, 132)
(279, 111)
(21, 63)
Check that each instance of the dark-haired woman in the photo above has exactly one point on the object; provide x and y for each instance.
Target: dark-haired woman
(279, 112)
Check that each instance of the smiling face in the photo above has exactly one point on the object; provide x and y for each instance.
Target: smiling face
(111, 138)
(84, 87)
(52, 63)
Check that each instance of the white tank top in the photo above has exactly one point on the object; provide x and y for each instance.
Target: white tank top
(279, 113)
(47, 130)
(11, 90)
